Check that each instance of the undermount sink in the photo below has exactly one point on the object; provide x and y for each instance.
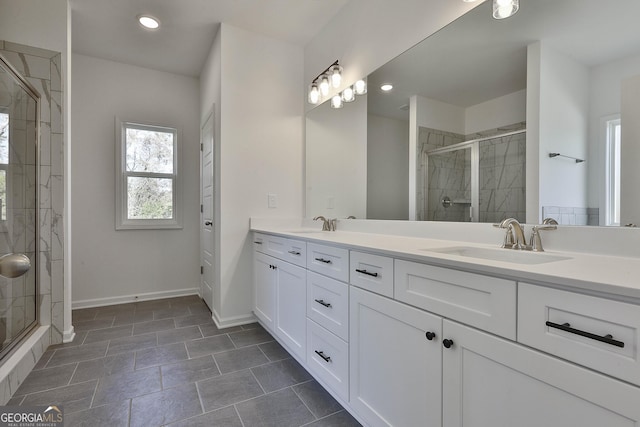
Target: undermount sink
(504, 255)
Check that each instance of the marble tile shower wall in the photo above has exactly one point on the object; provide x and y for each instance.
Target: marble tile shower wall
(42, 68)
(430, 139)
(502, 176)
(449, 177)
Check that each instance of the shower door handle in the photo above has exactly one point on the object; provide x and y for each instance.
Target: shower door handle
(14, 265)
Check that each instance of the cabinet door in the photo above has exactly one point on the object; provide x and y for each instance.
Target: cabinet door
(395, 371)
(264, 288)
(491, 382)
(291, 307)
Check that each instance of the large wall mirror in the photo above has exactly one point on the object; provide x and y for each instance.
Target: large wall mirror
(533, 116)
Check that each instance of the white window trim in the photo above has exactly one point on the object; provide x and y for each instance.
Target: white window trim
(121, 220)
(609, 168)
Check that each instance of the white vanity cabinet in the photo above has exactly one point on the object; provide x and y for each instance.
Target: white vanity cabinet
(489, 381)
(405, 343)
(395, 370)
(280, 292)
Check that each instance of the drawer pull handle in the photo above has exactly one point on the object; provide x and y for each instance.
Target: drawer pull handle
(607, 339)
(430, 335)
(321, 302)
(367, 273)
(326, 261)
(258, 243)
(294, 252)
(325, 358)
(273, 267)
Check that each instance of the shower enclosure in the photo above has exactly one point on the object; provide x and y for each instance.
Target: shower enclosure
(481, 180)
(19, 132)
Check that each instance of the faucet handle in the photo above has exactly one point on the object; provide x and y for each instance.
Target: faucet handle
(536, 241)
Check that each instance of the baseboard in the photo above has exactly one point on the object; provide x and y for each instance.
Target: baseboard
(99, 302)
(69, 335)
(233, 321)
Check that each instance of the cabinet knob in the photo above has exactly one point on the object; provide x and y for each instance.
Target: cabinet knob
(447, 343)
(430, 335)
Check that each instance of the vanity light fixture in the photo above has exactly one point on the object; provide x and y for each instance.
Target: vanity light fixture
(324, 85)
(336, 75)
(323, 81)
(148, 22)
(314, 94)
(386, 87)
(505, 8)
(332, 77)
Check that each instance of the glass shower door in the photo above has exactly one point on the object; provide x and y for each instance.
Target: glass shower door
(449, 183)
(19, 127)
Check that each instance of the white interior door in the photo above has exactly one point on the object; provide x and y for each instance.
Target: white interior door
(207, 230)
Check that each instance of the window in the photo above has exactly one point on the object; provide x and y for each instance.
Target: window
(147, 190)
(613, 132)
(4, 162)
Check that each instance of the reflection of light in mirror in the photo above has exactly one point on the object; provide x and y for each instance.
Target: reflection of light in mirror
(386, 87)
(360, 87)
(336, 102)
(505, 8)
(349, 94)
(149, 22)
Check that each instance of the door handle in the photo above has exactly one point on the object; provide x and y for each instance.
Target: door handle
(14, 265)
(208, 223)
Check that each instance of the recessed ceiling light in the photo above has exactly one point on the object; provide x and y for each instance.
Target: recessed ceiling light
(386, 87)
(148, 22)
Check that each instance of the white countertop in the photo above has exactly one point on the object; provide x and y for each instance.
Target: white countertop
(613, 276)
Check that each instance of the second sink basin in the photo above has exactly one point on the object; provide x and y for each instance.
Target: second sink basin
(504, 255)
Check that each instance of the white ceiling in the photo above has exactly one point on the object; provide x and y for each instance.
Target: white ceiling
(477, 58)
(109, 29)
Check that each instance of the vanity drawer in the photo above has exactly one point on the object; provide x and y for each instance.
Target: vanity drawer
(483, 302)
(585, 320)
(328, 304)
(328, 260)
(372, 272)
(328, 358)
(290, 250)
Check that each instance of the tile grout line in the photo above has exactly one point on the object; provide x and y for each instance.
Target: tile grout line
(302, 400)
(235, 408)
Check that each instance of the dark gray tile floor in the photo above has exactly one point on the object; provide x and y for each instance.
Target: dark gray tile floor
(164, 362)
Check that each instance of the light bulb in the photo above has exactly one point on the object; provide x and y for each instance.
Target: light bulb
(360, 87)
(386, 87)
(336, 76)
(314, 94)
(336, 101)
(324, 85)
(505, 8)
(349, 95)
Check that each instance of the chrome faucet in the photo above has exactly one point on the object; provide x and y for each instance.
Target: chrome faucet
(514, 237)
(327, 224)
